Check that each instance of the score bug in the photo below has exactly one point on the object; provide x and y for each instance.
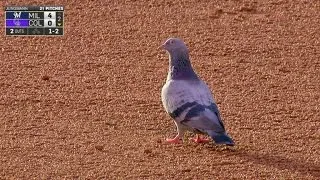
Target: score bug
(34, 20)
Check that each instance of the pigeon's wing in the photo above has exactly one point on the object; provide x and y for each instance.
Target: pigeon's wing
(191, 103)
(204, 118)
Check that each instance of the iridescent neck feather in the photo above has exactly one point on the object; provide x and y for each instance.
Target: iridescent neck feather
(180, 67)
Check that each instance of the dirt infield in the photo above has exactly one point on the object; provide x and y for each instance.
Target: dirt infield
(87, 105)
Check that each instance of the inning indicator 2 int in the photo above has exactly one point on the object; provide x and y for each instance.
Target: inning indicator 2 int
(34, 20)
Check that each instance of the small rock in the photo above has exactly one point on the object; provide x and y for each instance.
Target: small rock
(45, 78)
(147, 151)
(99, 147)
(186, 170)
(219, 11)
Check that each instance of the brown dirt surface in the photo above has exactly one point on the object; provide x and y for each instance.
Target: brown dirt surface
(87, 105)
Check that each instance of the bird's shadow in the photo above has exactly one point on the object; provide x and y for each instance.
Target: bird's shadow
(273, 160)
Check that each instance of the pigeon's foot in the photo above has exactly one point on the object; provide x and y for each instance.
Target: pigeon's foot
(199, 139)
(175, 140)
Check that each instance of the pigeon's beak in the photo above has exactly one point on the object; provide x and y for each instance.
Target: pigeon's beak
(161, 47)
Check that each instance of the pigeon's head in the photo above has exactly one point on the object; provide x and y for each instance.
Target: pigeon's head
(175, 44)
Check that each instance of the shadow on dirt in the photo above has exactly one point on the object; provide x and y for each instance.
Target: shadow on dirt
(279, 162)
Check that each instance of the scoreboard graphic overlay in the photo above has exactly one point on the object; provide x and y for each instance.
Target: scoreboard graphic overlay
(34, 20)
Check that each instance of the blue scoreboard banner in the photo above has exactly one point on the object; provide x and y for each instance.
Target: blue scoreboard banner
(34, 20)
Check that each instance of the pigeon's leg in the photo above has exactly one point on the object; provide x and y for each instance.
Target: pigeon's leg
(199, 139)
(179, 136)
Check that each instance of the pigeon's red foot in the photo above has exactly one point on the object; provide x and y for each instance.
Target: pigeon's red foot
(175, 140)
(199, 139)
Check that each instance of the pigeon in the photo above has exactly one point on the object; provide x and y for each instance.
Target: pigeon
(188, 100)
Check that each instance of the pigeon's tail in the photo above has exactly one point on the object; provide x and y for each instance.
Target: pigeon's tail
(221, 138)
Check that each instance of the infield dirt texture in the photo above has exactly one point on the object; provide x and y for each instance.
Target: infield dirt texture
(87, 105)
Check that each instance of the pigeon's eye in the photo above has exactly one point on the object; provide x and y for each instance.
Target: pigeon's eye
(172, 41)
